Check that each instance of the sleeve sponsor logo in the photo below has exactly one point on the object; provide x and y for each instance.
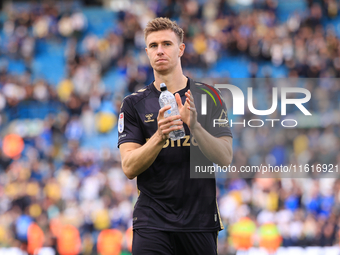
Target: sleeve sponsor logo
(121, 136)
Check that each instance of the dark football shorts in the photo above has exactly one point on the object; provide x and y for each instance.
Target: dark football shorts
(152, 242)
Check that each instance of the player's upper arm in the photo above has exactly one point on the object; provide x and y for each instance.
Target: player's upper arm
(229, 144)
(228, 139)
(125, 150)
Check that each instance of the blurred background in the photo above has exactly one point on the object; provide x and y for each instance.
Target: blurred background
(65, 67)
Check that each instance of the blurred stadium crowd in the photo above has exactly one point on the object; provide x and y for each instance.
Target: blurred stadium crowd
(55, 181)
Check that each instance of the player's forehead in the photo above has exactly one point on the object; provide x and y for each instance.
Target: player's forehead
(162, 36)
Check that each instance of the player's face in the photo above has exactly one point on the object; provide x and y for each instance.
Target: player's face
(164, 50)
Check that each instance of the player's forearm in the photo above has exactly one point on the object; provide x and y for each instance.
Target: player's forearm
(138, 160)
(217, 150)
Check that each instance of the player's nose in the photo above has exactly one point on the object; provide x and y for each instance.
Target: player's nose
(160, 50)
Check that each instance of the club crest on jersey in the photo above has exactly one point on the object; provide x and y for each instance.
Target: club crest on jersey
(121, 123)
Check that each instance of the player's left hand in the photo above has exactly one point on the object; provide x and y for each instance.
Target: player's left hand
(188, 110)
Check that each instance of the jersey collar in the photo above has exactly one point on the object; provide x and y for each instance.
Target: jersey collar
(180, 92)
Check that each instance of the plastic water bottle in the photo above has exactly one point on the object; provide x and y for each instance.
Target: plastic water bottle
(167, 98)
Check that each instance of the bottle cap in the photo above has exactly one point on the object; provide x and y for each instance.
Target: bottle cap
(163, 87)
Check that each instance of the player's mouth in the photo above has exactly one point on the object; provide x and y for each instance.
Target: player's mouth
(161, 60)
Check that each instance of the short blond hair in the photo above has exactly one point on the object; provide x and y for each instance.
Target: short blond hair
(159, 24)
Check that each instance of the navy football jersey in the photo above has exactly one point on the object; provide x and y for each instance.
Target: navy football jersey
(169, 199)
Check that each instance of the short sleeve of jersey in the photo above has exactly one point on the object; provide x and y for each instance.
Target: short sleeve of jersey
(218, 122)
(129, 129)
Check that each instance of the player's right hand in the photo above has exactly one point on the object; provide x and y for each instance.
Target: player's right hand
(166, 125)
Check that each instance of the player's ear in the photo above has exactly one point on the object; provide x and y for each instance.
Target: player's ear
(146, 50)
(181, 49)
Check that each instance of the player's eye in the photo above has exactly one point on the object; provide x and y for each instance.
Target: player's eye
(153, 46)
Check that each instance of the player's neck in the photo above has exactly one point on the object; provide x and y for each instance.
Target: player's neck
(174, 82)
